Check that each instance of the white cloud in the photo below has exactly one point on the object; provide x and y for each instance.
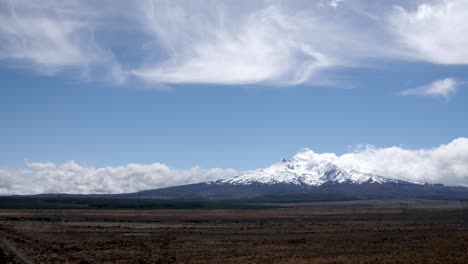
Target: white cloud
(440, 88)
(227, 42)
(12, 180)
(334, 3)
(447, 164)
(261, 45)
(291, 44)
(71, 177)
(34, 32)
(436, 31)
(50, 36)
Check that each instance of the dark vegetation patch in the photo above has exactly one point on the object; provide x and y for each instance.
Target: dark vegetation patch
(6, 257)
(118, 203)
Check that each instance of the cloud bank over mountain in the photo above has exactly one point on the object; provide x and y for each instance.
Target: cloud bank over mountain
(447, 164)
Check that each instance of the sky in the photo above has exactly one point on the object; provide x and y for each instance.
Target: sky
(118, 96)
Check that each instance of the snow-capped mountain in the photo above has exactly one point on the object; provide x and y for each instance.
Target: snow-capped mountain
(305, 173)
(307, 178)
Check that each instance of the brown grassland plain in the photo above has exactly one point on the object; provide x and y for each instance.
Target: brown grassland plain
(336, 232)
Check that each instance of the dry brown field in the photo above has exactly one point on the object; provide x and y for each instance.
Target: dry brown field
(338, 232)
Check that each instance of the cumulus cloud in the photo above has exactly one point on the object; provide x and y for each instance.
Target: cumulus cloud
(71, 177)
(12, 180)
(447, 164)
(441, 88)
(436, 31)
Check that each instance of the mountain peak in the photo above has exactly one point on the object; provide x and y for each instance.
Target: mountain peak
(304, 172)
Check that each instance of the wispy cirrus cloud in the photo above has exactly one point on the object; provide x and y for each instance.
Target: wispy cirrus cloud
(50, 36)
(264, 44)
(260, 42)
(444, 88)
(272, 42)
(45, 33)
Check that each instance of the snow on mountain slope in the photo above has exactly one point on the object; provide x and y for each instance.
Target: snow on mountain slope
(305, 172)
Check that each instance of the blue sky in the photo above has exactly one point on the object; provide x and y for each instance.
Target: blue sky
(58, 119)
(218, 84)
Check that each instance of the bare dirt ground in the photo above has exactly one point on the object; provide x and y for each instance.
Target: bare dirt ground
(341, 232)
